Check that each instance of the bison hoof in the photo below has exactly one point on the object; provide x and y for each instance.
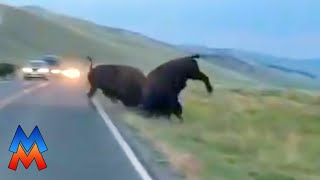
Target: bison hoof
(89, 95)
(90, 103)
(180, 119)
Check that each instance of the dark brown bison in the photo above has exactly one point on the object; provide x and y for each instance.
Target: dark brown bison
(164, 84)
(118, 82)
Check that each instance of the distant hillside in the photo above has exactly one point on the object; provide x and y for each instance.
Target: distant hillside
(87, 25)
(267, 68)
(303, 73)
(29, 32)
(308, 65)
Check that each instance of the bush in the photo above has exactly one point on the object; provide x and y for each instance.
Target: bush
(7, 69)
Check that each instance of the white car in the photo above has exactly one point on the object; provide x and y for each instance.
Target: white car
(36, 69)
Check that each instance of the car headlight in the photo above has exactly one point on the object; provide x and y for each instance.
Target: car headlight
(43, 70)
(71, 73)
(55, 71)
(27, 70)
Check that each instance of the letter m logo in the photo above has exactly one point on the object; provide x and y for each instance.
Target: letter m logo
(27, 149)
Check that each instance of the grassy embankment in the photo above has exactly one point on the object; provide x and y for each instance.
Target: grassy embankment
(239, 133)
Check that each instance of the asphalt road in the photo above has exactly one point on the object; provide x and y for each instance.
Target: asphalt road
(80, 146)
(10, 87)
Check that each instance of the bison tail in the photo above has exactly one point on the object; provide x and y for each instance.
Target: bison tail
(91, 64)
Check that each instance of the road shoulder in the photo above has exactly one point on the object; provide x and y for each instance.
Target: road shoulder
(152, 160)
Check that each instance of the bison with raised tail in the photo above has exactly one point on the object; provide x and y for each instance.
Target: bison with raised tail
(164, 84)
(118, 82)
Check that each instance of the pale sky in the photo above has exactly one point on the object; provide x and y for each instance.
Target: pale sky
(280, 27)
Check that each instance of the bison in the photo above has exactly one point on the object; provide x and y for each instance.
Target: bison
(118, 82)
(164, 84)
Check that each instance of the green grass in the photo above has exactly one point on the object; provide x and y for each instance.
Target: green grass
(241, 134)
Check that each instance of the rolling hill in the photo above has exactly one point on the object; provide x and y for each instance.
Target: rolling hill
(274, 70)
(310, 65)
(25, 34)
(30, 31)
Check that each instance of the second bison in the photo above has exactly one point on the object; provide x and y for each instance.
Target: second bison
(118, 82)
(164, 84)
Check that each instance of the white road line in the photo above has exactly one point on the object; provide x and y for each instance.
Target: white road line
(2, 82)
(10, 99)
(123, 144)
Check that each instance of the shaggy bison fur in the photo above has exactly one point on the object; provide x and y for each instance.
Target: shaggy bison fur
(118, 82)
(164, 84)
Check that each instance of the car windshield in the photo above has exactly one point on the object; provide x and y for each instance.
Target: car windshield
(51, 60)
(37, 64)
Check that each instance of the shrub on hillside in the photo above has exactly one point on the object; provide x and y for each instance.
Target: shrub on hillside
(7, 69)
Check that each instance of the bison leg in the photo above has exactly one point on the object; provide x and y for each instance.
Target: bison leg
(178, 112)
(201, 76)
(176, 109)
(111, 96)
(91, 92)
(114, 99)
(165, 113)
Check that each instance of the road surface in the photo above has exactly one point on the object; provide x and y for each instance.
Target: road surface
(80, 146)
(8, 87)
